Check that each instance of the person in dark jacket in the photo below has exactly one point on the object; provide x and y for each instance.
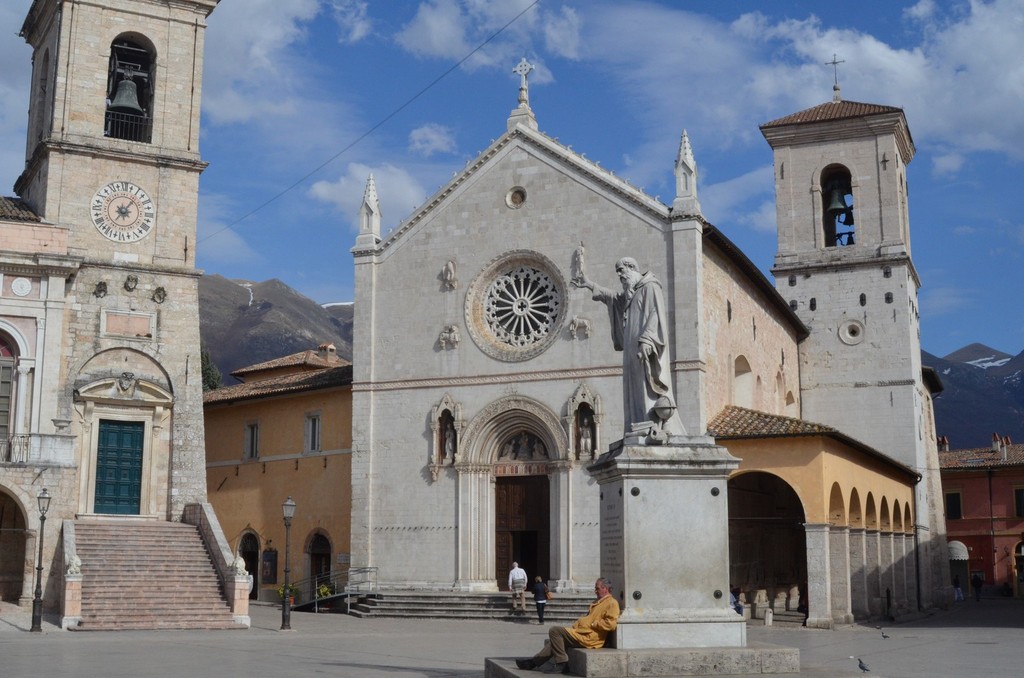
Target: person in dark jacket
(540, 597)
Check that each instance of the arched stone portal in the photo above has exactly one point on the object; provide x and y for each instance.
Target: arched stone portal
(13, 537)
(767, 542)
(513, 478)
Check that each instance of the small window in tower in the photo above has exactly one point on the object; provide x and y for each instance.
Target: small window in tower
(837, 206)
(814, 304)
(130, 91)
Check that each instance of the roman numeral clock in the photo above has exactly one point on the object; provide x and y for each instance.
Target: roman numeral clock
(122, 211)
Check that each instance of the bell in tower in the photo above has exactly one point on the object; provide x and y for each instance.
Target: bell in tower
(129, 91)
(838, 214)
(126, 98)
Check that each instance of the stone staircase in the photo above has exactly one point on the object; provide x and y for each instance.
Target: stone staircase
(148, 575)
(564, 608)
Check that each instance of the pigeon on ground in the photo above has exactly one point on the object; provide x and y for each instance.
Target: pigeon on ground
(884, 634)
(861, 664)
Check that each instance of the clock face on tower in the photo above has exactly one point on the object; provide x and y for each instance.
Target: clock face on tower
(122, 211)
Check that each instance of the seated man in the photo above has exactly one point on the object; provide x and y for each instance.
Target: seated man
(588, 631)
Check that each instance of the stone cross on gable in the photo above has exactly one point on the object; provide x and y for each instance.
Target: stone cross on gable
(523, 68)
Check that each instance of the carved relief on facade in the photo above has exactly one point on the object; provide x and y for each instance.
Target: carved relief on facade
(579, 328)
(449, 277)
(582, 422)
(446, 427)
(513, 429)
(449, 337)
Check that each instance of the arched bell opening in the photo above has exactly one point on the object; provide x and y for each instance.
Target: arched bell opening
(767, 542)
(837, 206)
(130, 89)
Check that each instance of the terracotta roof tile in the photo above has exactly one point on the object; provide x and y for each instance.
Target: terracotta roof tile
(831, 110)
(739, 422)
(289, 383)
(981, 458)
(15, 209)
(309, 358)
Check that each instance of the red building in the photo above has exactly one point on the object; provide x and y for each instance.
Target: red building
(984, 499)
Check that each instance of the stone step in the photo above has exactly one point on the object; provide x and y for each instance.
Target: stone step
(564, 607)
(148, 576)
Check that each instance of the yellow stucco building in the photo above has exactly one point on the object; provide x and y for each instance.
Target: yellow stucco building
(284, 432)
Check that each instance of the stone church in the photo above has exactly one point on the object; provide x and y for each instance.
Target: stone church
(485, 381)
(100, 388)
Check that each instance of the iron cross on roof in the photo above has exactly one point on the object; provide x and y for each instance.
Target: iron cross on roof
(835, 69)
(523, 68)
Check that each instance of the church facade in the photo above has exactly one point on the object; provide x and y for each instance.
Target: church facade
(472, 433)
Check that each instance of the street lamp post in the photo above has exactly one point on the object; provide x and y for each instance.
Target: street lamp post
(37, 602)
(288, 508)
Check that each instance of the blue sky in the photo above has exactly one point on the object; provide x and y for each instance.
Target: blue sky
(290, 85)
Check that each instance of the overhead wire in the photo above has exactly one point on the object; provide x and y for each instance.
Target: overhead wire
(298, 182)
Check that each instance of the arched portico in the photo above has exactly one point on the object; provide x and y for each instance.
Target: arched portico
(767, 543)
(513, 455)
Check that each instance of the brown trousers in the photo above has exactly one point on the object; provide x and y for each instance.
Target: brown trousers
(558, 640)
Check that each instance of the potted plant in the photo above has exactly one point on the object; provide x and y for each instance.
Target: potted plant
(324, 590)
(291, 590)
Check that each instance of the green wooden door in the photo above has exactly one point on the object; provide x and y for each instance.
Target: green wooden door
(119, 467)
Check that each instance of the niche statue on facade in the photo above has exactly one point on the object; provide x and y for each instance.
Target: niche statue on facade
(446, 426)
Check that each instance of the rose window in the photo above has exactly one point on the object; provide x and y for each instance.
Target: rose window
(521, 306)
(514, 306)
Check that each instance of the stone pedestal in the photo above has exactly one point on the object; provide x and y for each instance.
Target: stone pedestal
(665, 542)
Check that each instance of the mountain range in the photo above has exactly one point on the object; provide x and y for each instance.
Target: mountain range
(243, 323)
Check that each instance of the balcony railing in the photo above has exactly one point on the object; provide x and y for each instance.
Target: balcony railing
(14, 449)
(128, 126)
(38, 448)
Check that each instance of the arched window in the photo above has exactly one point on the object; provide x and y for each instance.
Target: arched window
(837, 206)
(130, 87)
(743, 384)
(7, 356)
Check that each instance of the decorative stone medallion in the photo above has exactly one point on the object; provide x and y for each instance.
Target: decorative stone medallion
(21, 286)
(515, 307)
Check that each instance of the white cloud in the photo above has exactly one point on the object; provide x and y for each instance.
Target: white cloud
(351, 17)
(924, 9)
(248, 67)
(398, 191)
(217, 244)
(432, 138)
(947, 163)
(748, 199)
(453, 29)
(562, 33)
(965, 230)
(437, 30)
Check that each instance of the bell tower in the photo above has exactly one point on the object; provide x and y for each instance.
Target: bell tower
(844, 265)
(112, 165)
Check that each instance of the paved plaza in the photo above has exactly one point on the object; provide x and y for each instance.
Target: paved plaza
(973, 639)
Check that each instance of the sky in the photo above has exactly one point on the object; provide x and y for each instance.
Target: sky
(303, 99)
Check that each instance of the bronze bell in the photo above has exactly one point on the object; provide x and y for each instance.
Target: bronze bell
(126, 99)
(836, 205)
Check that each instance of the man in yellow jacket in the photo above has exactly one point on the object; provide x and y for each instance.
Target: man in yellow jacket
(589, 631)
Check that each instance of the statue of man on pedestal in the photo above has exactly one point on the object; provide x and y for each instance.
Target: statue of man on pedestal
(639, 321)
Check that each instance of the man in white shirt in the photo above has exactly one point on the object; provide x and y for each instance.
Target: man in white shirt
(517, 584)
